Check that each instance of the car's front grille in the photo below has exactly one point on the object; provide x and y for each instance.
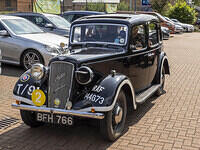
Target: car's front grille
(60, 83)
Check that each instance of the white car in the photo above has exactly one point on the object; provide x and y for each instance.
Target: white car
(187, 27)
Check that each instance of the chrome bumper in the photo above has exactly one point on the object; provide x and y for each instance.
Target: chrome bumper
(59, 111)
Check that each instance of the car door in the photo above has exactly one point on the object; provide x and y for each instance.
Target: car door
(154, 49)
(10, 47)
(138, 60)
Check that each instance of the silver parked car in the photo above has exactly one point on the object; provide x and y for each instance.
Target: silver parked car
(187, 27)
(23, 43)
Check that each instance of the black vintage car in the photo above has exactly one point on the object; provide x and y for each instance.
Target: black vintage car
(115, 63)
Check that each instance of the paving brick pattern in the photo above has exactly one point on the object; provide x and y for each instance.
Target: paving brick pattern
(171, 121)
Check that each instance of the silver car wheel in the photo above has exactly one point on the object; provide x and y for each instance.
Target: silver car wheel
(31, 58)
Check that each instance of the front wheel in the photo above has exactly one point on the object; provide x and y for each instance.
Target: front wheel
(112, 125)
(31, 57)
(29, 118)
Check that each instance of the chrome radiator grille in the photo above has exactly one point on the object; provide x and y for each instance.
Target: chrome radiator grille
(60, 84)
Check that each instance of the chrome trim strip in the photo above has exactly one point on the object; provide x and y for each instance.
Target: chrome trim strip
(10, 62)
(22, 99)
(59, 111)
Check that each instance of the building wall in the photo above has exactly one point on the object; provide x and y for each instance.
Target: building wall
(12, 6)
(68, 5)
(24, 5)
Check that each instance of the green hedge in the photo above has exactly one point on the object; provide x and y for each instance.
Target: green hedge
(183, 12)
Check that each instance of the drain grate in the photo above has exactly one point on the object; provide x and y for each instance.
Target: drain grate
(7, 122)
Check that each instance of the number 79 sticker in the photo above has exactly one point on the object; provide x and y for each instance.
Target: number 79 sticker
(38, 97)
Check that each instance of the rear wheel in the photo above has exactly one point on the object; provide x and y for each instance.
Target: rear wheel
(112, 125)
(31, 57)
(29, 118)
(161, 88)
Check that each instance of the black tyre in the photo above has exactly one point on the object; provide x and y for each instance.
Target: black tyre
(112, 125)
(31, 57)
(161, 89)
(29, 118)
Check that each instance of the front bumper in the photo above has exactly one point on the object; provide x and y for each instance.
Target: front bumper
(59, 111)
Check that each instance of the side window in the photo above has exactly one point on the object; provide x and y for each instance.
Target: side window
(160, 34)
(69, 17)
(77, 16)
(39, 21)
(138, 38)
(153, 34)
(28, 18)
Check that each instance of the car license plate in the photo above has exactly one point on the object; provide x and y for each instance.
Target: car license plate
(54, 118)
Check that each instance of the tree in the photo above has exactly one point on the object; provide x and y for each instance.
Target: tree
(160, 6)
(196, 2)
(183, 12)
(123, 6)
(95, 7)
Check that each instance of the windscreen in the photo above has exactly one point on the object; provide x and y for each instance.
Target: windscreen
(59, 22)
(22, 26)
(100, 33)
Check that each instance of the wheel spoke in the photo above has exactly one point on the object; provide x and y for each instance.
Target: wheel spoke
(26, 62)
(35, 61)
(32, 57)
(28, 57)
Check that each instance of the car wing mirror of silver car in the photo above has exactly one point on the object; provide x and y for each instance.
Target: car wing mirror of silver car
(4, 33)
(49, 25)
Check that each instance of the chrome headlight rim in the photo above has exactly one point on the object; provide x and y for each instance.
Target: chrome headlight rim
(89, 71)
(37, 68)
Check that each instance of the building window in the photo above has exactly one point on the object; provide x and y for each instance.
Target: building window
(8, 3)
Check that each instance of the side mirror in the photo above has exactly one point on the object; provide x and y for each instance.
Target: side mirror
(49, 25)
(4, 33)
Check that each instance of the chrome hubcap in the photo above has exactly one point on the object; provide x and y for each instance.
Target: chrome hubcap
(30, 59)
(118, 114)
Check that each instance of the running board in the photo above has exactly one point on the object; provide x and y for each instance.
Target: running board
(142, 97)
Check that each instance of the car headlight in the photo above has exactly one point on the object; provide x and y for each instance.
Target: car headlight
(38, 71)
(52, 49)
(84, 75)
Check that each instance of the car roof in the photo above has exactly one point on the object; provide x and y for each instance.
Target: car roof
(84, 12)
(125, 18)
(9, 17)
(152, 13)
(31, 13)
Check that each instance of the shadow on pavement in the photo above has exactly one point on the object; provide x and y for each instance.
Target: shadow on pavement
(11, 70)
(53, 137)
(135, 116)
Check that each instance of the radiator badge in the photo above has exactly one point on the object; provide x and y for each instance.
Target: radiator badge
(25, 78)
(60, 76)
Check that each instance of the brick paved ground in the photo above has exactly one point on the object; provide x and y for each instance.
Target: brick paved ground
(171, 121)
